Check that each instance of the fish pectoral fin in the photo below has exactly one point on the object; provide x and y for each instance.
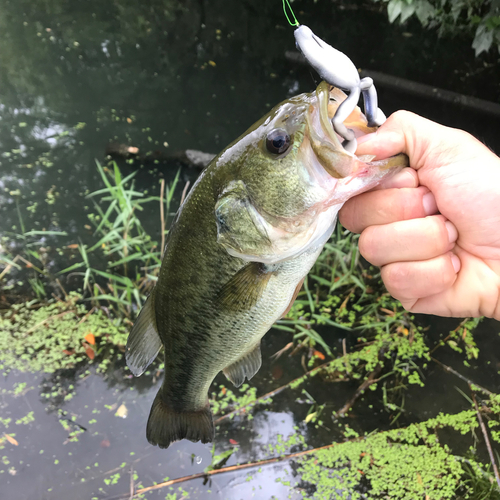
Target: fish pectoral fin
(165, 425)
(144, 343)
(247, 366)
(245, 288)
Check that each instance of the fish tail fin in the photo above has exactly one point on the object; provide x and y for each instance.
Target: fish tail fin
(166, 425)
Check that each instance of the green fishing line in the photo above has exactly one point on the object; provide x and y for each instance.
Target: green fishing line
(286, 4)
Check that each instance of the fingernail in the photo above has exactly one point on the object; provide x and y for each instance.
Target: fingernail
(452, 231)
(366, 138)
(429, 203)
(456, 262)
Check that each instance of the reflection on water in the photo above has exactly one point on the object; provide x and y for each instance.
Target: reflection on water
(164, 76)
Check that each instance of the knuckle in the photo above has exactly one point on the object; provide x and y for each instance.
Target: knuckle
(368, 245)
(401, 116)
(448, 275)
(397, 277)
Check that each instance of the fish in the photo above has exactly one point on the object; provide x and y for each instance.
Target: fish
(237, 253)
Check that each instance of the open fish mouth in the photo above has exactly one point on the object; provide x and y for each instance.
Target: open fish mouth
(329, 99)
(325, 143)
(326, 112)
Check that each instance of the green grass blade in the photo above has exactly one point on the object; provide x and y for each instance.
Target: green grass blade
(71, 268)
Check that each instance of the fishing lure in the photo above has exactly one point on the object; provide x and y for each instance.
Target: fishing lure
(338, 70)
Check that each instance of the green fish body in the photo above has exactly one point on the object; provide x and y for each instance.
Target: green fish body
(238, 251)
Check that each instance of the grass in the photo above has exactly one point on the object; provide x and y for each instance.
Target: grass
(133, 257)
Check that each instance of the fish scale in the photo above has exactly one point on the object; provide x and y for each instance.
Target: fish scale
(245, 237)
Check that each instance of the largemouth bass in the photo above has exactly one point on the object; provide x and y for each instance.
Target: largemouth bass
(237, 253)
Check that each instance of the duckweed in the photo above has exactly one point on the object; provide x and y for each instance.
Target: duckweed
(50, 337)
(400, 463)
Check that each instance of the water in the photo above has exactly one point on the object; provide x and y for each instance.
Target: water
(165, 77)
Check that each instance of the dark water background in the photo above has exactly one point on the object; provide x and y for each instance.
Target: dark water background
(191, 74)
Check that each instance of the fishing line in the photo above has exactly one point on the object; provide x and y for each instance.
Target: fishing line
(286, 4)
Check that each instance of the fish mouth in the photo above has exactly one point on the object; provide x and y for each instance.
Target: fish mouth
(325, 110)
(324, 141)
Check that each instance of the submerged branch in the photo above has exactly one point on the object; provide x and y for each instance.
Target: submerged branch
(231, 468)
(371, 379)
(270, 394)
(460, 376)
(486, 437)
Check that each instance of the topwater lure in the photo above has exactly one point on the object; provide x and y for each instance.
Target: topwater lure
(338, 70)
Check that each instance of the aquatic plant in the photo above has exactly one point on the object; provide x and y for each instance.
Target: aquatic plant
(133, 257)
(56, 335)
(402, 463)
(130, 255)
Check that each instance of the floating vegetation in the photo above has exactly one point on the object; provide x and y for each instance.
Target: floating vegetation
(48, 337)
(403, 463)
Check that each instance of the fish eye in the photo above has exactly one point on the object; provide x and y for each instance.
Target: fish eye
(277, 141)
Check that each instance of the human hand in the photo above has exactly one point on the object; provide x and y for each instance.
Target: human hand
(434, 229)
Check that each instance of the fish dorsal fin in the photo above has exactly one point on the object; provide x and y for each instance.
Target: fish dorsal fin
(143, 342)
(247, 366)
(245, 288)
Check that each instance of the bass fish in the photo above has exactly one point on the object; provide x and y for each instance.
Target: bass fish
(238, 251)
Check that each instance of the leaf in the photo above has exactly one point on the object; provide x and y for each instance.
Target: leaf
(318, 354)
(483, 40)
(122, 411)
(425, 11)
(90, 338)
(394, 9)
(309, 417)
(219, 461)
(70, 268)
(10, 439)
(407, 10)
(46, 233)
(90, 352)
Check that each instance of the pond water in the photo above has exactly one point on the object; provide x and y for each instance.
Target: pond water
(163, 77)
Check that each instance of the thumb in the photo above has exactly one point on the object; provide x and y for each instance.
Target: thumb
(406, 132)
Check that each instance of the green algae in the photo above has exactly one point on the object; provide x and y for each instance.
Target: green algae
(402, 463)
(48, 337)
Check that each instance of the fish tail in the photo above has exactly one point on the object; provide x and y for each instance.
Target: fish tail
(166, 425)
